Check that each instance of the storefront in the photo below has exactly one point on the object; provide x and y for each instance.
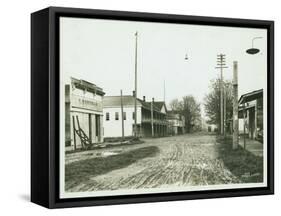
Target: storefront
(251, 114)
(83, 114)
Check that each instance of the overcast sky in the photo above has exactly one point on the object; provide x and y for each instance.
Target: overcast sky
(102, 52)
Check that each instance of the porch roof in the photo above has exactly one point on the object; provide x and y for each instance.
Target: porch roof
(251, 96)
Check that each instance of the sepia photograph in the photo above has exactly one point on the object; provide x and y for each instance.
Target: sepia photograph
(151, 107)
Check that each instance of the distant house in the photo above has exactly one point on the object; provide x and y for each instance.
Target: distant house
(83, 114)
(206, 126)
(112, 121)
(251, 114)
(176, 123)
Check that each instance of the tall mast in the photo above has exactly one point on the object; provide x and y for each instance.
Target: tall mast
(136, 70)
(164, 92)
(122, 113)
(221, 65)
(235, 141)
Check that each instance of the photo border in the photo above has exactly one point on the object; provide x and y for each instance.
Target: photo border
(54, 81)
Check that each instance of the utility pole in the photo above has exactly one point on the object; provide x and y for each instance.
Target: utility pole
(244, 125)
(235, 141)
(136, 70)
(224, 110)
(122, 114)
(152, 120)
(164, 91)
(221, 65)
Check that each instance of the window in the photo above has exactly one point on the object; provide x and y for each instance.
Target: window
(133, 117)
(116, 115)
(124, 116)
(107, 117)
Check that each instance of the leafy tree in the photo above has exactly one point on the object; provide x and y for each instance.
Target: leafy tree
(190, 109)
(212, 102)
(192, 113)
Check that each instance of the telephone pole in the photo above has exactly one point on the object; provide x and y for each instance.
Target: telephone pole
(164, 92)
(136, 70)
(152, 120)
(235, 106)
(224, 110)
(221, 65)
(122, 114)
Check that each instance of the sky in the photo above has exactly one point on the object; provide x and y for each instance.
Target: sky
(103, 52)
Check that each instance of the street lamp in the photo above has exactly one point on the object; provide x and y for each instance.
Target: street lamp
(253, 50)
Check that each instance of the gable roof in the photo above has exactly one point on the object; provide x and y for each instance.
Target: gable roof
(129, 100)
(157, 105)
(115, 101)
(85, 85)
(251, 96)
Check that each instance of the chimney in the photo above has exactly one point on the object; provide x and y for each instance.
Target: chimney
(143, 99)
(134, 93)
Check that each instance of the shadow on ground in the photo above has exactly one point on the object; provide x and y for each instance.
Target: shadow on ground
(25, 197)
(242, 163)
(83, 170)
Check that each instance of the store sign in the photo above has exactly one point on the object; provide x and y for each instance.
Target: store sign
(86, 103)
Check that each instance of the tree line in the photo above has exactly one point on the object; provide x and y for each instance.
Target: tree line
(190, 109)
(212, 103)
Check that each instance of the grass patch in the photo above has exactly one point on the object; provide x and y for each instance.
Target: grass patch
(242, 163)
(120, 139)
(79, 171)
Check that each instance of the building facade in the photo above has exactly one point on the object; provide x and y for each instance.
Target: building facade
(83, 114)
(176, 123)
(154, 119)
(151, 117)
(251, 114)
(112, 121)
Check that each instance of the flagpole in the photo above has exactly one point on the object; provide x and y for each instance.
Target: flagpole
(164, 92)
(136, 64)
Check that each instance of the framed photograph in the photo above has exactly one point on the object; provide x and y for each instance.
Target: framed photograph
(132, 107)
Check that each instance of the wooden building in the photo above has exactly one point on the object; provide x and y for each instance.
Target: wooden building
(83, 114)
(151, 117)
(176, 123)
(251, 114)
(158, 118)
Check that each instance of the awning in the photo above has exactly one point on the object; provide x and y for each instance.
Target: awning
(251, 96)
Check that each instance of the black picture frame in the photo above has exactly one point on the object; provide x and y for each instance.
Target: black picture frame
(45, 107)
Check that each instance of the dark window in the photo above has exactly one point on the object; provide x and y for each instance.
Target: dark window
(133, 116)
(116, 115)
(107, 117)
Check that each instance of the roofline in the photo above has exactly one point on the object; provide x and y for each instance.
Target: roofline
(91, 87)
(111, 106)
(250, 94)
(138, 105)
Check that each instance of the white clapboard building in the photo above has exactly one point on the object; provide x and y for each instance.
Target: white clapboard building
(112, 121)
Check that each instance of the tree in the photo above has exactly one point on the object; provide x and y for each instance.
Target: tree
(175, 105)
(190, 109)
(212, 102)
(192, 113)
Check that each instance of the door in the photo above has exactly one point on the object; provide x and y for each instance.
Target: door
(98, 129)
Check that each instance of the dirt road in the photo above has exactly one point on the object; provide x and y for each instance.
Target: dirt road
(182, 160)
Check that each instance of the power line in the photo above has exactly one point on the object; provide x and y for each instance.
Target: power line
(222, 65)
